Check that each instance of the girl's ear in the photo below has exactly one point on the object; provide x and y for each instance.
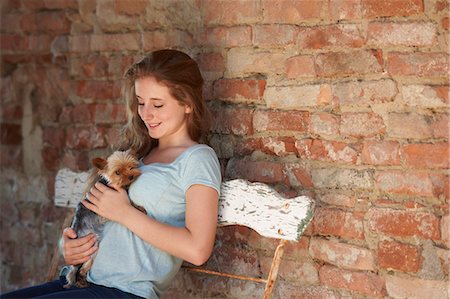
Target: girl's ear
(187, 109)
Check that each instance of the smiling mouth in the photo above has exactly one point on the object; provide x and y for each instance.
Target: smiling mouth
(152, 126)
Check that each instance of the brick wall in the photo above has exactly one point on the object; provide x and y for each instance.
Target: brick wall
(342, 100)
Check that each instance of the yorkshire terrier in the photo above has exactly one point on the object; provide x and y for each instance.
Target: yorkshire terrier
(118, 170)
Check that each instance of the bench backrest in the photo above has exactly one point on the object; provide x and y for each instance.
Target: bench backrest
(254, 205)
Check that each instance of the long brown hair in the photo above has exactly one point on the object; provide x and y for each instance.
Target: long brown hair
(180, 73)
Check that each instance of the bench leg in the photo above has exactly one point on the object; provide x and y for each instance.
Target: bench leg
(272, 278)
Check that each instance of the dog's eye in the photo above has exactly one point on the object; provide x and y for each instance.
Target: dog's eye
(118, 172)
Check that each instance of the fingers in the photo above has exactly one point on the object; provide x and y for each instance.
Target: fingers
(100, 187)
(69, 233)
(78, 251)
(89, 205)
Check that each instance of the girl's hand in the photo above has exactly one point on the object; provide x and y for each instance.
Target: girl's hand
(108, 202)
(77, 251)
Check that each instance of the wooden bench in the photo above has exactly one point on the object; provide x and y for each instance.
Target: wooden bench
(254, 205)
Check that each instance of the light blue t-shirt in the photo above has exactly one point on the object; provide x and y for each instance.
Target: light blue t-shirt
(124, 261)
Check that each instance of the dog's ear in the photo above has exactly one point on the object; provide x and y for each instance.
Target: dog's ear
(132, 152)
(100, 163)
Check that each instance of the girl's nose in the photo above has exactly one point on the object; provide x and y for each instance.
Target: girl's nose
(147, 112)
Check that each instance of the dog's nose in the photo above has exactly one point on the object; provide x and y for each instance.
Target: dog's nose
(131, 177)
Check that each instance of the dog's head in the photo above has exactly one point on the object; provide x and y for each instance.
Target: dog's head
(120, 169)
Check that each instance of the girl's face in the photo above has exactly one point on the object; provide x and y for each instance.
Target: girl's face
(164, 116)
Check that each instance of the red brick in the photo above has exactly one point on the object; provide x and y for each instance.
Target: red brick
(402, 34)
(338, 223)
(331, 151)
(297, 97)
(430, 96)
(51, 157)
(103, 90)
(426, 155)
(54, 136)
(348, 63)
(11, 134)
(91, 66)
(325, 124)
(344, 256)
(276, 35)
(365, 283)
(331, 177)
(445, 23)
(441, 184)
(418, 64)
(303, 272)
(110, 113)
(130, 7)
(398, 256)
(298, 176)
(7, 6)
(365, 92)
(338, 200)
(297, 121)
(381, 153)
(300, 66)
(11, 157)
(445, 229)
(115, 42)
(440, 6)
(10, 23)
(244, 62)
(417, 126)
(391, 8)
(247, 146)
(345, 9)
(239, 90)
(229, 36)
(407, 183)
(40, 43)
(156, 40)
(361, 124)
(46, 22)
(79, 43)
(82, 138)
(225, 12)
(82, 114)
(256, 171)
(403, 224)
(77, 161)
(291, 291)
(212, 62)
(279, 146)
(292, 11)
(50, 4)
(14, 42)
(319, 37)
(10, 111)
(439, 125)
(411, 287)
(232, 120)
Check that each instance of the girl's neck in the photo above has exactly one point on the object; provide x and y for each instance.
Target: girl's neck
(184, 142)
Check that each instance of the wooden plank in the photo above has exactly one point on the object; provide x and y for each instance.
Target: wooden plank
(254, 205)
(261, 208)
(69, 187)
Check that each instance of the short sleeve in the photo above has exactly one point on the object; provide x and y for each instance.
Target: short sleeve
(202, 167)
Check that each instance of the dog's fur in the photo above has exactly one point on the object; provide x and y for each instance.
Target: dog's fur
(118, 170)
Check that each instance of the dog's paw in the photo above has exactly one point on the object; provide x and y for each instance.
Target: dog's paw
(82, 283)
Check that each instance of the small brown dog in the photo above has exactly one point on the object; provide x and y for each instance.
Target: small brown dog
(120, 169)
